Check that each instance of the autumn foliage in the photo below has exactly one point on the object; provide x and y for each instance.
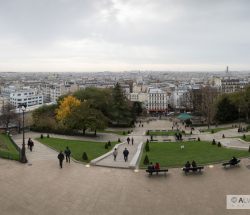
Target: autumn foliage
(66, 107)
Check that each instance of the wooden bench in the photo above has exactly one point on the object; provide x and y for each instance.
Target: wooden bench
(231, 164)
(193, 169)
(192, 138)
(151, 171)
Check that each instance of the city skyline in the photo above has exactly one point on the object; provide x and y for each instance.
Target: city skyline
(105, 35)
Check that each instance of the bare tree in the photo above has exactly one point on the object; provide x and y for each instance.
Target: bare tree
(8, 115)
(203, 102)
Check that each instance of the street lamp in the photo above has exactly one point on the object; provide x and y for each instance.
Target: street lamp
(23, 154)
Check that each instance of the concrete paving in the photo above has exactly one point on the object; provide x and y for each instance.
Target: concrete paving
(45, 189)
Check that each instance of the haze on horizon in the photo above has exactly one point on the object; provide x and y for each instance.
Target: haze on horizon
(120, 35)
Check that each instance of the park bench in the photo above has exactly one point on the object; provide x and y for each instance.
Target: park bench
(153, 140)
(231, 164)
(191, 138)
(193, 169)
(151, 171)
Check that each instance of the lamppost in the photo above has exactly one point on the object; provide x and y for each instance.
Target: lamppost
(23, 154)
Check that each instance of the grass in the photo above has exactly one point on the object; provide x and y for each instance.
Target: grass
(77, 147)
(214, 130)
(247, 139)
(7, 149)
(118, 132)
(170, 154)
(163, 133)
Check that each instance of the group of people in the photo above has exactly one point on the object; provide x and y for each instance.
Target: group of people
(151, 166)
(132, 140)
(60, 156)
(193, 164)
(30, 144)
(125, 154)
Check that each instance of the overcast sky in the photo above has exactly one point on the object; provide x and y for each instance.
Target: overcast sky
(119, 35)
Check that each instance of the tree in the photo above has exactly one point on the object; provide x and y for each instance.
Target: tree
(242, 101)
(66, 106)
(226, 110)
(120, 110)
(8, 115)
(98, 98)
(84, 117)
(44, 117)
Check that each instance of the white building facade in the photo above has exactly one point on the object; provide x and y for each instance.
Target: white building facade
(157, 100)
(30, 97)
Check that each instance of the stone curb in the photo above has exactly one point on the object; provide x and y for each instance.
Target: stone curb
(135, 159)
(94, 161)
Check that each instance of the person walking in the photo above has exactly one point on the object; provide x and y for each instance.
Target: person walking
(29, 140)
(132, 141)
(31, 145)
(60, 158)
(67, 153)
(125, 154)
(115, 152)
(128, 140)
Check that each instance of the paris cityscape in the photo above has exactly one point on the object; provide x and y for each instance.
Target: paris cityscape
(112, 107)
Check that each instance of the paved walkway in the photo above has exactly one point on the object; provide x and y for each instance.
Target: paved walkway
(41, 152)
(45, 189)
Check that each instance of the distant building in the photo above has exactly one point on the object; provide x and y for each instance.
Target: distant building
(30, 97)
(229, 85)
(52, 92)
(157, 100)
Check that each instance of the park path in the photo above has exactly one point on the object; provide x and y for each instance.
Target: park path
(42, 152)
(139, 137)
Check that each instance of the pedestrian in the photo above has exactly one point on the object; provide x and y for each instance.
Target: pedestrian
(132, 141)
(115, 152)
(67, 153)
(31, 145)
(128, 140)
(125, 154)
(60, 157)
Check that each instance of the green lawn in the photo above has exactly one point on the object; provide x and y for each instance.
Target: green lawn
(77, 147)
(170, 154)
(216, 129)
(118, 132)
(7, 149)
(247, 138)
(163, 133)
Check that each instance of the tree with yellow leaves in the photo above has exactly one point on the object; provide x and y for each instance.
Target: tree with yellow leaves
(66, 106)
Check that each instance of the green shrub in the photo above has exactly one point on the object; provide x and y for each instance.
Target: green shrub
(84, 156)
(47, 135)
(146, 160)
(106, 146)
(244, 136)
(212, 131)
(109, 143)
(124, 133)
(219, 144)
(213, 142)
(147, 147)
